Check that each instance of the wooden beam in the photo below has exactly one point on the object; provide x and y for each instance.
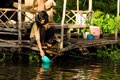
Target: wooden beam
(1, 33)
(8, 9)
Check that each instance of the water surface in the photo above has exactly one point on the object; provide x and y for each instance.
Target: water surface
(64, 69)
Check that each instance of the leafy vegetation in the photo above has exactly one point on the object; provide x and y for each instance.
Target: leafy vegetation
(104, 12)
(108, 53)
(104, 17)
(106, 21)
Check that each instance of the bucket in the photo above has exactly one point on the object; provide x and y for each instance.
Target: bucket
(90, 37)
(95, 31)
(85, 35)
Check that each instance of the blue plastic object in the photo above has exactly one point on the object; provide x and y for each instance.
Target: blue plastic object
(46, 65)
(45, 59)
(90, 37)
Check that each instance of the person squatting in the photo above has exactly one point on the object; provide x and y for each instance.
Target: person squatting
(41, 32)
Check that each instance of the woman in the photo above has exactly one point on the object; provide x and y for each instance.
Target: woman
(41, 32)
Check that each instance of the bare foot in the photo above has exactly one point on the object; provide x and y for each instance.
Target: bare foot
(58, 40)
(44, 47)
(48, 44)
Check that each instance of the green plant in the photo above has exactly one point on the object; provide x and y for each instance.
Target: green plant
(108, 53)
(107, 22)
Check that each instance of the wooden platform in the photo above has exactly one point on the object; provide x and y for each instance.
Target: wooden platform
(73, 43)
(84, 43)
(68, 44)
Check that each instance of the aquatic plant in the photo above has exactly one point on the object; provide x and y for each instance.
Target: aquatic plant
(108, 53)
(34, 57)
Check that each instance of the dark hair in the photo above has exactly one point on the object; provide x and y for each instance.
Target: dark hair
(41, 15)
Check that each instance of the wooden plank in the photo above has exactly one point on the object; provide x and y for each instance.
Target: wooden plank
(8, 9)
(8, 33)
(27, 41)
(35, 48)
(69, 47)
(81, 11)
(24, 24)
(8, 45)
(74, 44)
(58, 26)
(7, 41)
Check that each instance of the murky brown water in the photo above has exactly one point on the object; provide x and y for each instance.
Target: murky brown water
(64, 69)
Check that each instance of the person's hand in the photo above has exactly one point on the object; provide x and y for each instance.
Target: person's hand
(42, 54)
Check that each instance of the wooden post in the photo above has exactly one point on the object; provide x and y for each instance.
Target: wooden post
(90, 5)
(19, 21)
(62, 24)
(78, 30)
(117, 19)
(77, 5)
(90, 9)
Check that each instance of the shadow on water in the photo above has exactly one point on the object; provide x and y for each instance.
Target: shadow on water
(63, 68)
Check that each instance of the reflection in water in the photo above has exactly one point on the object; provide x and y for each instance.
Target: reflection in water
(43, 73)
(64, 69)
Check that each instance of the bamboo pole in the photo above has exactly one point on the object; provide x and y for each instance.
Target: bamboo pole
(90, 5)
(77, 5)
(117, 19)
(78, 30)
(62, 23)
(90, 9)
(19, 22)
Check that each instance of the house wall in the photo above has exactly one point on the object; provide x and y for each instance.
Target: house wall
(30, 15)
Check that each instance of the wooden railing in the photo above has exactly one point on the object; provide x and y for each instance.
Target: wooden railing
(72, 15)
